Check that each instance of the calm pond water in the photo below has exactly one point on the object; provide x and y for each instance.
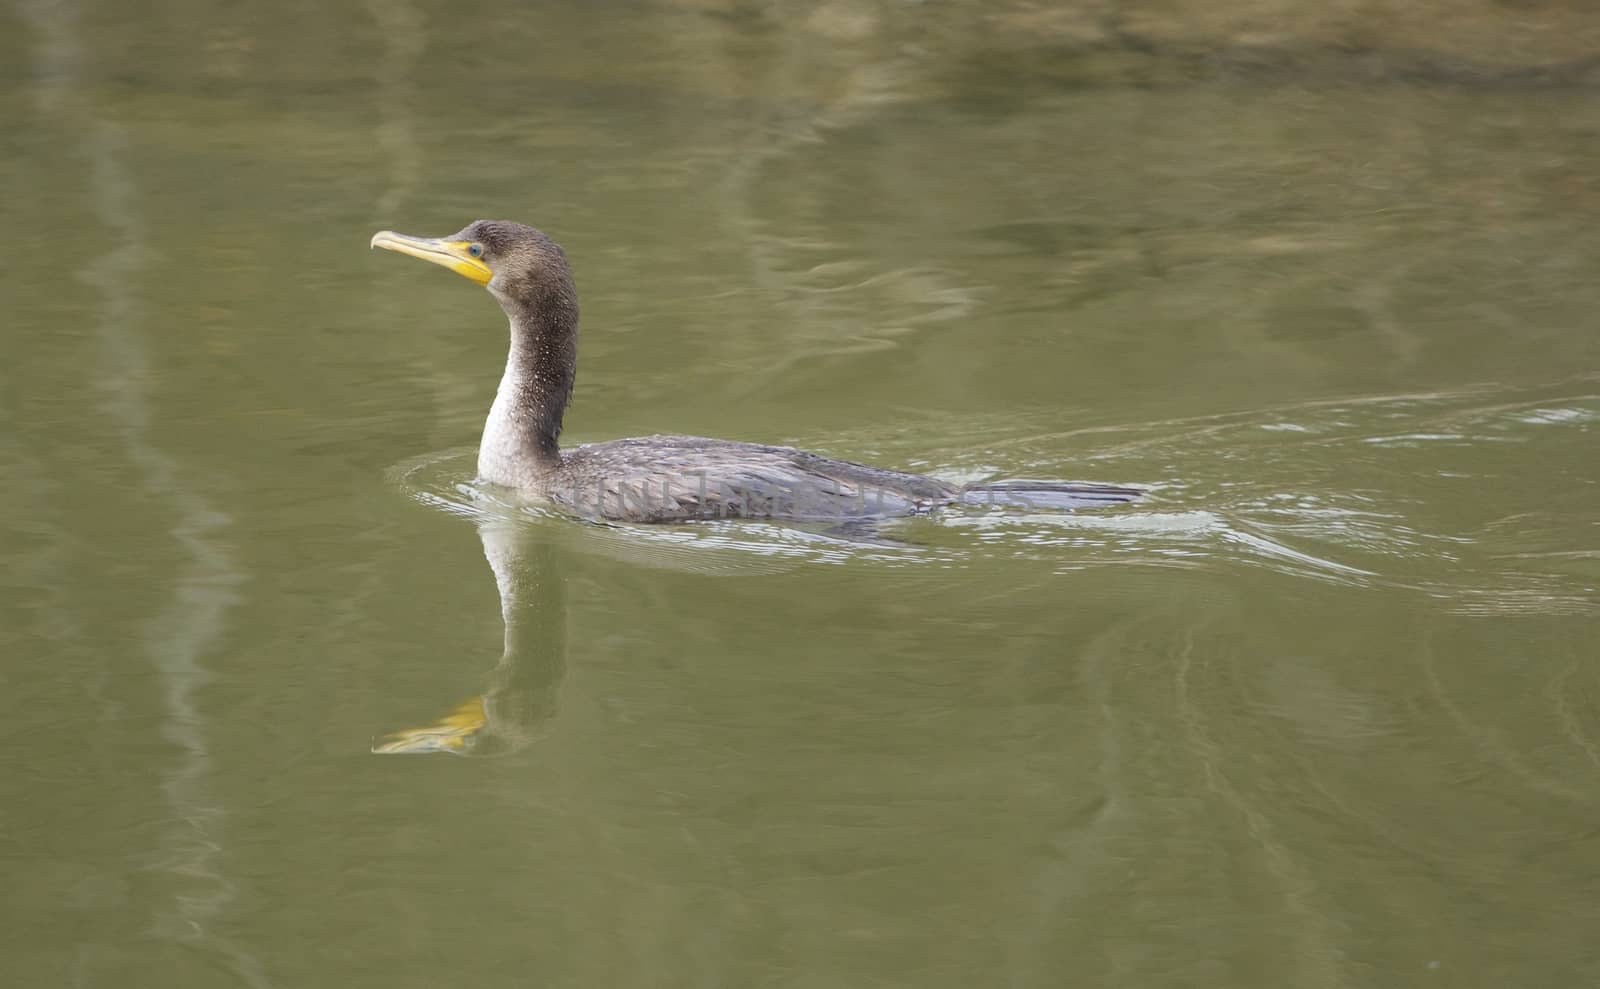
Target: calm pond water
(1323, 710)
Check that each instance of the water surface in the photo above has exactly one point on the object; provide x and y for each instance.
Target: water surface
(1321, 711)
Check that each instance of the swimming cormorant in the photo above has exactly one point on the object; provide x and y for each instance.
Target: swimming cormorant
(661, 478)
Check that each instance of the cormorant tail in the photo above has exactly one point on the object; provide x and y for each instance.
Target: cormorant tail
(1050, 495)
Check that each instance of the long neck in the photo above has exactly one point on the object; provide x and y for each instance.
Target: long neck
(520, 436)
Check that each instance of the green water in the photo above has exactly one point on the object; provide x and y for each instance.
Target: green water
(1323, 710)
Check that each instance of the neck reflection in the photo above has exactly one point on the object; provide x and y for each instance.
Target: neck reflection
(521, 696)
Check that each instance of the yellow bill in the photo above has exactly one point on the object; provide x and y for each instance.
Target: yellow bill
(452, 254)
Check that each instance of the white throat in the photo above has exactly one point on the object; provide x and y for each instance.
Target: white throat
(501, 453)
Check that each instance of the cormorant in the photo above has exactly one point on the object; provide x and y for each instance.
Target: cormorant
(661, 478)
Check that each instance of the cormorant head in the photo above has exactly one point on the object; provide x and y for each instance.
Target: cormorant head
(518, 264)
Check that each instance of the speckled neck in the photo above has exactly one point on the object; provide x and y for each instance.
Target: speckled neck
(519, 445)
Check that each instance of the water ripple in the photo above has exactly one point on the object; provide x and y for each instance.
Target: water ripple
(1310, 491)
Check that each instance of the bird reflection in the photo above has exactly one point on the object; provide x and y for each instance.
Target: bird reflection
(521, 697)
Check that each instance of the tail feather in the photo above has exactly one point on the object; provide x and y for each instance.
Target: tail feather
(1054, 495)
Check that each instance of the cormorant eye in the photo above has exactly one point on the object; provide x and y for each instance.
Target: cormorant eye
(476, 250)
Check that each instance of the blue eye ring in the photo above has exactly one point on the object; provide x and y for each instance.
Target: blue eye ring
(476, 250)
